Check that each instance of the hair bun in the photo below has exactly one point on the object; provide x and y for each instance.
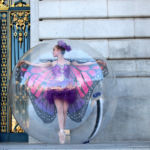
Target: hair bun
(64, 45)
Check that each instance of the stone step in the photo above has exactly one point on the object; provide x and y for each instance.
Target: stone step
(104, 146)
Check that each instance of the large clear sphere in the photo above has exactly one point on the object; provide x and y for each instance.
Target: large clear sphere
(93, 78)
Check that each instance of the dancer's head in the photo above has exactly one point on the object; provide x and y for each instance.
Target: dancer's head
(60, 48)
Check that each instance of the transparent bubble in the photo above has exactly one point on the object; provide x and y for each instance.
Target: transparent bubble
(85, 80)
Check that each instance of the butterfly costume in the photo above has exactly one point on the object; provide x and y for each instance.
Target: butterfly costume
(69, 82)
(73, 83)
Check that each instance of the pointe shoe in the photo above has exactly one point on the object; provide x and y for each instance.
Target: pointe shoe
(62, 136)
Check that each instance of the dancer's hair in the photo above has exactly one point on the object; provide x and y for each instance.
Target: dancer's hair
(63, 46)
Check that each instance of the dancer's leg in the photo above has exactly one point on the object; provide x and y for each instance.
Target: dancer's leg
(65, 109)
(59, 106)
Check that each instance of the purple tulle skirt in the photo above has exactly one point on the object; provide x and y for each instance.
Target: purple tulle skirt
(66, 94)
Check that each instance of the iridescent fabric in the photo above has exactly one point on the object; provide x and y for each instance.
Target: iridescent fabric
(72, 83)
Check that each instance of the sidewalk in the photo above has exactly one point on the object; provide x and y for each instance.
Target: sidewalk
(106, 146)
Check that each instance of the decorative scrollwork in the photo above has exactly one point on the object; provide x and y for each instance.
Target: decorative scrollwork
(20, 19)
(20, 3)
(3, 71)
(3, 6)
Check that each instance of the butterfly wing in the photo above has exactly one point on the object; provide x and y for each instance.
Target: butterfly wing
(86, 78)
(36, 80)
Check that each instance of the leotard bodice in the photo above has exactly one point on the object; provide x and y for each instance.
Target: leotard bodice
(62, 75)
(61, 72)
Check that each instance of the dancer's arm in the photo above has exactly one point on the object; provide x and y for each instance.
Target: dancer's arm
(33, 64)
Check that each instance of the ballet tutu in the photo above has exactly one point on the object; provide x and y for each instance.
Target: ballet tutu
(65, 94)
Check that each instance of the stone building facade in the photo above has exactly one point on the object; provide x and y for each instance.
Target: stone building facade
(119, 29)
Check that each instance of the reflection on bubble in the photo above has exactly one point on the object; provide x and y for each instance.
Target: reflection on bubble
(50, 89)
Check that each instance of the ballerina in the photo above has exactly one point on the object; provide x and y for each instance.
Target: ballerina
(63, 88)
